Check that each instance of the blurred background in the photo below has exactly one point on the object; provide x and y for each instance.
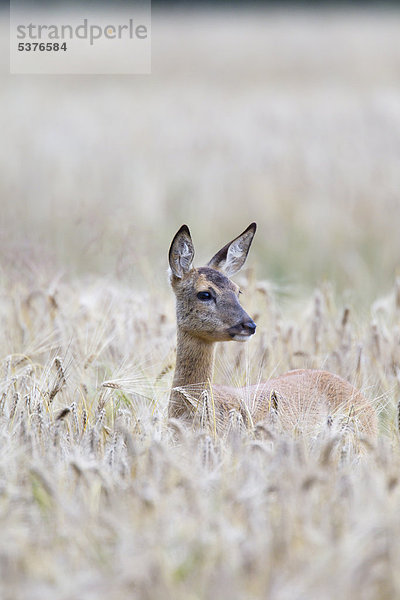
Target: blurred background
(280, 114)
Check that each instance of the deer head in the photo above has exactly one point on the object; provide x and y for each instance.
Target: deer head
(207, 303)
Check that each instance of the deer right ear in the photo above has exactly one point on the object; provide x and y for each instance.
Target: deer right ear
(231, 258)
(181, 252)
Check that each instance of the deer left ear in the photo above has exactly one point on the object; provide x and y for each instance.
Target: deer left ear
(181, 252)
(231, 258)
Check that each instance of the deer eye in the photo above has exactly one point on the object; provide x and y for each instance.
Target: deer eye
(204, 296)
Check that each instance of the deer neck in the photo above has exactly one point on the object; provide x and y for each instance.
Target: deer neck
(193, 372)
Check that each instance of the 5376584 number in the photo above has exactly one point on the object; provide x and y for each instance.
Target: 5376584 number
(41, 47)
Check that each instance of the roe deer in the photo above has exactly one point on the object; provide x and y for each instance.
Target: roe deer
(208, 311)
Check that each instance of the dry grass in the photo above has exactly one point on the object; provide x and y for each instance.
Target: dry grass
(295, 127)
(102, 497)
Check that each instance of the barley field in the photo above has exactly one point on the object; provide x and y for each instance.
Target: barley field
(290, 118)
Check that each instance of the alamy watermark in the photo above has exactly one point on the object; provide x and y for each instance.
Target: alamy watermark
(59, 41)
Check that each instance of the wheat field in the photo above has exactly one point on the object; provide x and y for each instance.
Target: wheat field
(290, 119)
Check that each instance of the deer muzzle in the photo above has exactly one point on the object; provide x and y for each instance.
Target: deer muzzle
(243, 330)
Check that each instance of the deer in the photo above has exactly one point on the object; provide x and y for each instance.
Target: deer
(208, 311)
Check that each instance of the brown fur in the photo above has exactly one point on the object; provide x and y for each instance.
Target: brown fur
(301, 399)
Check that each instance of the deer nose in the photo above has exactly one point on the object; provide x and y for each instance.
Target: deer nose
(249, 326)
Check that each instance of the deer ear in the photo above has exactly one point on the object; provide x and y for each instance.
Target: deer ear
(181, 252)
(231, 258)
